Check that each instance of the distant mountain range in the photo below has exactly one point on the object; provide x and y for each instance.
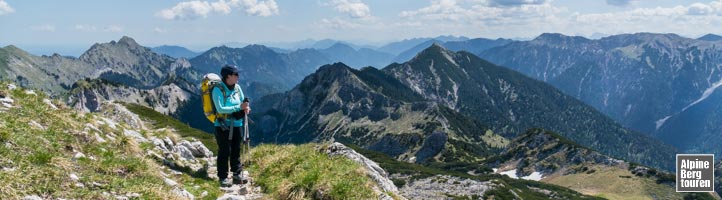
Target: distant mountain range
(397, 48)
(661, 84)
(474, 46)
(363, 57)
(175, 51)
(330, 102)
(257, 63)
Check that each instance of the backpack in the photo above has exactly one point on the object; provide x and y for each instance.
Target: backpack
(208, 83)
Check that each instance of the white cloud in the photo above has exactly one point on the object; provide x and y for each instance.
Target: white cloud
(353, 8)
(700, 9)
(262, 8)
(44, 28)
(694, 19)
(481, 18)
(621, 2)
(221, 6)
(113, 28)
(86, 28)
(93, 28)
(439, 10)
(192, 10)
(484, 13)
(159, 30)
(187, 11)
(337, 23)
(505, 3)
(5, 8)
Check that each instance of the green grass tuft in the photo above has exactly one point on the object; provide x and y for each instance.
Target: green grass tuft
(301, 172)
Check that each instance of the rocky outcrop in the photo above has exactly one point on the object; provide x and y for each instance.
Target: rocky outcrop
(438, 187)
(376, 173)
(164, 99)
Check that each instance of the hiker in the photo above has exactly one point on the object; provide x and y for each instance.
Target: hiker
(228, 129)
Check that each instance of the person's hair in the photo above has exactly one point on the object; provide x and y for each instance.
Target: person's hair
(223, 77)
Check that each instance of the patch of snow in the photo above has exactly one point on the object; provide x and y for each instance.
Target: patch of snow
(649, 62)
(494, 169)
(661, 121)
(11, 87)
(536, 176)
(510, 173)
(706, 94)
(30, 92)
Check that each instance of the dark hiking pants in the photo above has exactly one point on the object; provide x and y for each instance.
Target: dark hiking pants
(228, 149)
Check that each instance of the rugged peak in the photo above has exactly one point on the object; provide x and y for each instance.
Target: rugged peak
(437, 45)
(435, 49)
(128, 41)
(106, 49)
(437, 53)
(335, 68)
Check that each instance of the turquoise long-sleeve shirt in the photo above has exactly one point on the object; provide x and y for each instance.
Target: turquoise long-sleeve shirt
(228, 104)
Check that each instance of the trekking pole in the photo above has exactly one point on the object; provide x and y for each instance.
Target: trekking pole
(246, 136)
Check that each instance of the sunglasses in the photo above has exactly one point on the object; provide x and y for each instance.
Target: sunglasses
(234, 74)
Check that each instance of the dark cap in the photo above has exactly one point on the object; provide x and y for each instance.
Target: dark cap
(228, 70)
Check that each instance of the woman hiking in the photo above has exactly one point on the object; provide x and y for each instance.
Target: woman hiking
(228, 129)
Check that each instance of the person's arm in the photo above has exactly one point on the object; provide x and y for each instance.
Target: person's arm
(244, 105)
(218, 101)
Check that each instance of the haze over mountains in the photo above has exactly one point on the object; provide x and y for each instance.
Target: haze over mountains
(433, 101)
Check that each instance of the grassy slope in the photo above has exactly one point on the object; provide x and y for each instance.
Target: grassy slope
(42, 158)
(615, 183)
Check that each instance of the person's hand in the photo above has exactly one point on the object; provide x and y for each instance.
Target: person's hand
(246, 108)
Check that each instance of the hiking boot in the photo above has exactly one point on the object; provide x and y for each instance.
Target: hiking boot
(226, 182)
(238, 179)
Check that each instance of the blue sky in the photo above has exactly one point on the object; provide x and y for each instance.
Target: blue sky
(201, 24)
